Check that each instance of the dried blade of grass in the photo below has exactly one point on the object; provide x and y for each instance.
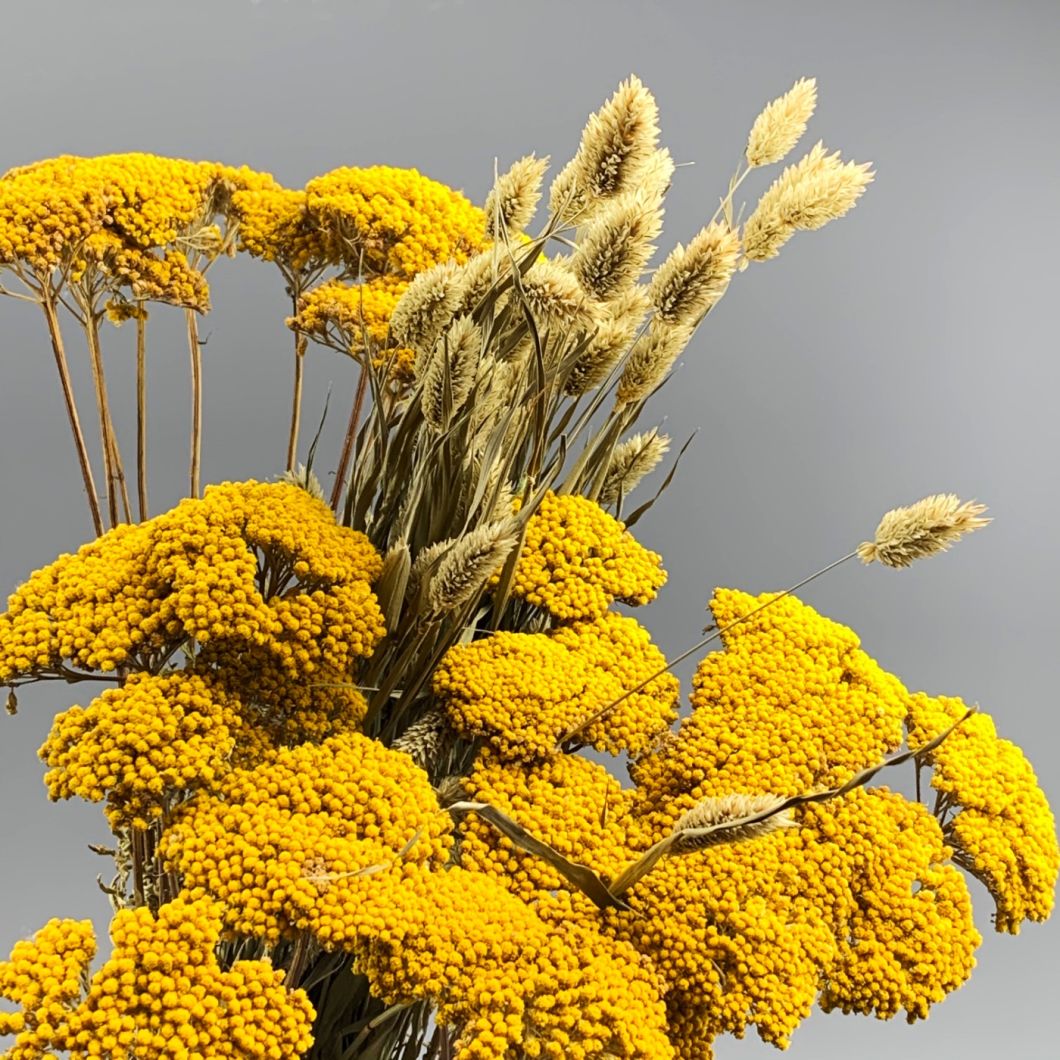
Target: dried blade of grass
(581, 876)
(392, 582)
(671, 844)
(647, 505)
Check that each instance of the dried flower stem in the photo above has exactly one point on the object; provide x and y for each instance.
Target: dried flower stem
(351, 434)
(195, 353)
(300, 344)
(112, 464)
(47, 303)
(141, 411)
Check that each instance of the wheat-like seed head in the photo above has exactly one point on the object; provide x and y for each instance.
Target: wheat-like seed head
(717, 810)
(425, 309)
(778, 128)
(922, 529)
(464, 569)
(616, 146)
(455, 354)
(650, 360)
(815, 190)
(632, 459)
(514, 197)
(617, 243)
(693, 278)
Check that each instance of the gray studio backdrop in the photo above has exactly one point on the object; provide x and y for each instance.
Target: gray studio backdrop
(907, 349)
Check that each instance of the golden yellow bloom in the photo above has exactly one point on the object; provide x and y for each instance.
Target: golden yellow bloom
(388, 221)
(577, 560)
(251, 565)
(161, 995)
(621, 655)
(259, 842)
(142, 744)
(1003, 829)
(519, 690)
(574, 805)
(791, 704)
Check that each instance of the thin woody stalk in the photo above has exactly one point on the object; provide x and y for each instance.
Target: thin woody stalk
(195, 354)
(112, 466)
(47, 303)
(300, 343)
(141, 411)
(351, 434)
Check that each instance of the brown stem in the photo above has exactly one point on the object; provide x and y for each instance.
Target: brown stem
(351, 434)
(116, 487)
(141, 410)
(300, 343)
(48, 305)
(195, 352)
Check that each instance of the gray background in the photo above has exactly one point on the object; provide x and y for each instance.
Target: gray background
(905, 350)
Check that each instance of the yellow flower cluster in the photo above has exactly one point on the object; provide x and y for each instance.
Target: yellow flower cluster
(48, 209)
(389, 221)
(569, 802)
(1004, 830)
(577, 560)
(274, 223)
(858, 901)
(280, 844)
(621, 655)
(141, 744)
(167, 278)
(356, 311)
(519, 690)
(43, 977)
(792, 703)
(161, 994)
(512, 982)
(524, 691)
(249, 565)
(901, 915)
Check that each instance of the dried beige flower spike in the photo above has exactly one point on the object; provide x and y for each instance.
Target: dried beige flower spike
(922, 529)
(716, 810)
(778, 128)
(514, 197)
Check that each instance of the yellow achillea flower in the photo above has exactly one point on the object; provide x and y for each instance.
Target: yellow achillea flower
(274, 221)
(355, 310)
(49, 209)
(161, 995)
(142, 744)
(519, 690)
(621, 655)
(1003, 830)
(510, 981)
(250, 565)
(393, 221)
(744, 934)
(569, 802)
(281, 843)
(577, 560)
(791, 704)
